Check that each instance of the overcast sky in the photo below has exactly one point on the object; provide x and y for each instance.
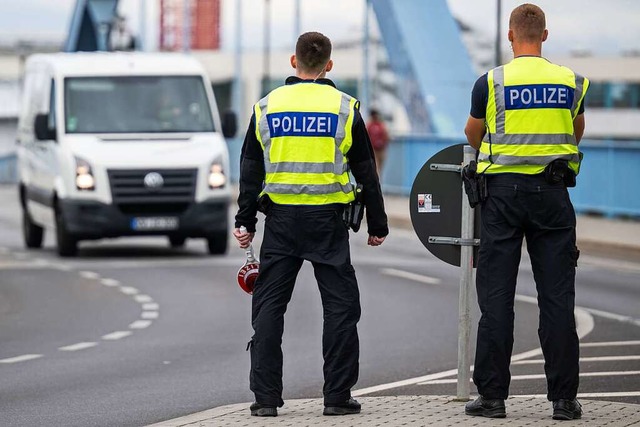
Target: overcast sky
(603, 27)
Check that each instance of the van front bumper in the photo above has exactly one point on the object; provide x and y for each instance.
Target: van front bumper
(86, 220)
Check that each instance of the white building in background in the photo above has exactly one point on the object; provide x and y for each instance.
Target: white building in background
(613, 101)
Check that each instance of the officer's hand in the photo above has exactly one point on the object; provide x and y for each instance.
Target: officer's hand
(375, 241)
(244, 239)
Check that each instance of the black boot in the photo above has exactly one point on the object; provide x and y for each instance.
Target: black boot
(567, 409)
(490, 408)
(351, 406)
(259, 410)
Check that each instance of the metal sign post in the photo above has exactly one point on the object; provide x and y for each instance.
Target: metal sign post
(466, 280)
(440, 212)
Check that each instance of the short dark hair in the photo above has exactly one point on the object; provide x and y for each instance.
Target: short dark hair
(527, 22)
(313, 51)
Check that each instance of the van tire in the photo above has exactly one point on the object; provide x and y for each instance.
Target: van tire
(67, 246)
(177, 241)
(33, 234)
(217, 243)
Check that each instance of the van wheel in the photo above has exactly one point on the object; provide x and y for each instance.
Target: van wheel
(177, 241)
(33, 234)
(67, 245)
(217, 243)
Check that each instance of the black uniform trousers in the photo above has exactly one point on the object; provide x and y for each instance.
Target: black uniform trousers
(294, 234)
(527, 206)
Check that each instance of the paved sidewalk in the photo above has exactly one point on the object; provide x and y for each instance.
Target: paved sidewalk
(412, 411)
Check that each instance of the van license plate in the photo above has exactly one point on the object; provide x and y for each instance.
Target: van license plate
(156, 223)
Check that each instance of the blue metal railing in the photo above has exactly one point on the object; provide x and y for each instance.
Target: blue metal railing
(8, 173)
(608, 184)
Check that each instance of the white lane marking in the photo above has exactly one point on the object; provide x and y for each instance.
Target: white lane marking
(584, 323)
(21, 265)
(411, 276)
(149, 315)
(110, 282)
(129, 290)
(41, 262)
(140, 324)
(22, 358)
(3, 250)
(20, 255)
(610, 264)
(583, 359)
(609, 344)
(152, 306)
(143, 298)
(584, 395)
(540, 377)
(410, 381)
(91, 275)
(613, 316)
(62, 267)
(116, 335)
(79, 346)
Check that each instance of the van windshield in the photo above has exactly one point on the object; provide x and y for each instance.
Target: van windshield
(136, 104)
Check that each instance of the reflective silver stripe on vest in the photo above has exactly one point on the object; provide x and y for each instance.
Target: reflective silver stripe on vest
(263, 127)
(338, 167)
(506, 160)
(498, 88)
(301, 167)
(531, 139)
(313, 189)
(343, 116)
(577, 94)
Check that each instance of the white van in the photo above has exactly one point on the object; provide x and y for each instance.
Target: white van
(121, 144)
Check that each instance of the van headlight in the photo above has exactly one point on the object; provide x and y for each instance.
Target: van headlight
(217, 179)
(84, 175)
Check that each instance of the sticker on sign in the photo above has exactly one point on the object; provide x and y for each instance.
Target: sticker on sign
(155, 223)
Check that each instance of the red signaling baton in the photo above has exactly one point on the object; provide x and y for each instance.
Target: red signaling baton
(248, 273)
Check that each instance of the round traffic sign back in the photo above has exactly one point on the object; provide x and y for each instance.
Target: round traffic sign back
(436, 204)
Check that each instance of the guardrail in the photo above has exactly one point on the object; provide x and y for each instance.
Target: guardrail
(608, 184)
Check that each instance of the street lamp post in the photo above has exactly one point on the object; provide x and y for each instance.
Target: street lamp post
(267, 46)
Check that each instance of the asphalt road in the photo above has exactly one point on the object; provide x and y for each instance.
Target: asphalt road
(132, 332)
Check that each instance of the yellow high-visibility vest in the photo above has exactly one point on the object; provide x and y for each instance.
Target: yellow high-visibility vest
(305, 132)
(530, 111)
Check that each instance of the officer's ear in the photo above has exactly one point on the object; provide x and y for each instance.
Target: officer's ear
(329, 66)
(510, 35)
(294, 62)
(545, 35)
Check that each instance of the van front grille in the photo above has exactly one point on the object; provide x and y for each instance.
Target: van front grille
(133, 196)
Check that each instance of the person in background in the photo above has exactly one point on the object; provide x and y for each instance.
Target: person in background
(379, 139)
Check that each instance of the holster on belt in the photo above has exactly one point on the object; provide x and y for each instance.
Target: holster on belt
(475, 184)
(354, 211)
(264, 204)
(559, 171)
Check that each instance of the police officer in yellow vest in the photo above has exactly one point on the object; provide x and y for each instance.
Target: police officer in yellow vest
(526, 121)
(303, 140)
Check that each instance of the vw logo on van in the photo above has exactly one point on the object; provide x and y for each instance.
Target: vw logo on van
(153, 181)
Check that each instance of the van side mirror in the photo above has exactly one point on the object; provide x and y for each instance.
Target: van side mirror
(41, 128)
(229, 124)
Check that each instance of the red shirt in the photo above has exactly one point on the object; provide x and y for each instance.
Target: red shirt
(378, 135)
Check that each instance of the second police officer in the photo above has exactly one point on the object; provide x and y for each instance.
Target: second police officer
(526, 121)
